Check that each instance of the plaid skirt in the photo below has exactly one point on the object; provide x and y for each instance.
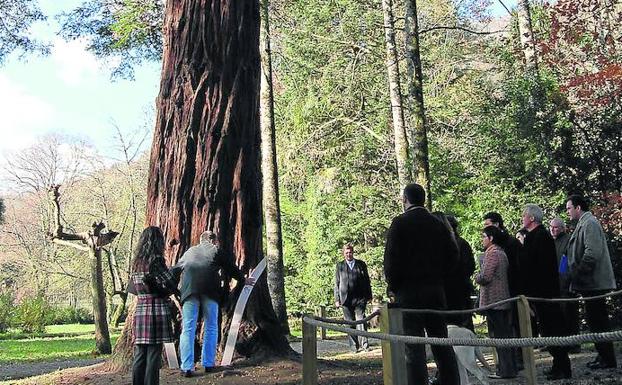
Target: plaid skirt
(152, 320)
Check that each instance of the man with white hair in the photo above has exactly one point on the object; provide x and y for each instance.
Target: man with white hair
(200, 288)
(540, 278)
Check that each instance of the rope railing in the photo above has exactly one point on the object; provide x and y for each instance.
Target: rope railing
(346, 322)
(576, 299)
(393, 340)
(490, 342)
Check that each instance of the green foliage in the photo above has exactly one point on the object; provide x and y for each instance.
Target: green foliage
(6, 311)
(68, 315)
(30, 314)
(130, 32)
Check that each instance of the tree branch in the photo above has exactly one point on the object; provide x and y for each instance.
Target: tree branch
(63, 242)
(438, 27)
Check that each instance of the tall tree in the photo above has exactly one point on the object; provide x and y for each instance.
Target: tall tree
(527, 39)
(397, 104)
(417, 118)
(205, 161)
(271, 203)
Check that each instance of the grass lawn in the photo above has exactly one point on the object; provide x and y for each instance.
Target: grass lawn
(58, 343)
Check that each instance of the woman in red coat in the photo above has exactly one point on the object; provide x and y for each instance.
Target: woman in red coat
(152, 319)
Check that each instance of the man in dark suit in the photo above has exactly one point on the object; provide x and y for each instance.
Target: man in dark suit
(352, 292)
(418, 256)
(540, 278)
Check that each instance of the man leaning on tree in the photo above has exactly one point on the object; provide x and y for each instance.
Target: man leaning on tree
(591, 274)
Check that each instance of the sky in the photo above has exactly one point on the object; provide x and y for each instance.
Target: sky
(70, 92)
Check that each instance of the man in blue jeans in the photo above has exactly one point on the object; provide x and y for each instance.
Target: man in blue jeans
(200, 289)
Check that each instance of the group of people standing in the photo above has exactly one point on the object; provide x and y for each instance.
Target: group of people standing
(428, 265)
(156, 286)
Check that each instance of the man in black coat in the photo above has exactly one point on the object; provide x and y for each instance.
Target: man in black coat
(352, 292)
(418, 254)
(540, 278)
(460, 281)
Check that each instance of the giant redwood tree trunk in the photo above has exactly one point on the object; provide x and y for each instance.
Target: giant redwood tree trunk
(205, 157)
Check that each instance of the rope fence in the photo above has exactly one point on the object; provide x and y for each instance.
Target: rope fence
(490, 342)
(393, 340)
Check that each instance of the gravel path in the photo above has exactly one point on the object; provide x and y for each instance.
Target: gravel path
(29, 369)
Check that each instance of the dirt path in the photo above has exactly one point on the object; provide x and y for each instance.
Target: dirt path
(16, 371)
(337, 367)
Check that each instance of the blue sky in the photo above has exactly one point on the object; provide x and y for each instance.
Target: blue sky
(69, 92)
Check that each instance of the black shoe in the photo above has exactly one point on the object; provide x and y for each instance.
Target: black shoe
(210, 369)
(601, 365)
(558, 376)
(186, 373)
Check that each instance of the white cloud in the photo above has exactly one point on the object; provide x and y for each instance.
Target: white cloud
(24, 115)
(73, 62)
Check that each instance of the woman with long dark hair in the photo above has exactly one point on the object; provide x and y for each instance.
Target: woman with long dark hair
(152, 319)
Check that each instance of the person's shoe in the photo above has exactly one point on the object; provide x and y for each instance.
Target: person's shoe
(210, 369)
(186, 373)
(558, 376)
(601, 365)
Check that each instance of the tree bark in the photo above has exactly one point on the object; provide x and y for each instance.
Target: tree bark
(98, 294)
(404, 169)
(271, 203)
(205, 156)
(527, 39)
(419, 139)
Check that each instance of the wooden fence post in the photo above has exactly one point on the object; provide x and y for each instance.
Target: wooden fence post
(524, 320)
(322, 314)
(309, 354)
(393, 353)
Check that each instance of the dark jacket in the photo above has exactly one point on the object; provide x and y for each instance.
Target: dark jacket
(419, 252)
(199, 270)
(539, 274)
(458, 285)
(352, 287)
(513, 249)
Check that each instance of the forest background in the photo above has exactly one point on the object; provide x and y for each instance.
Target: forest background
(500, 136)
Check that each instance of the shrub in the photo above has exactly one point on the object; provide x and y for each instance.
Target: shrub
(63, 315)
(6, 311)
(30, 314)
